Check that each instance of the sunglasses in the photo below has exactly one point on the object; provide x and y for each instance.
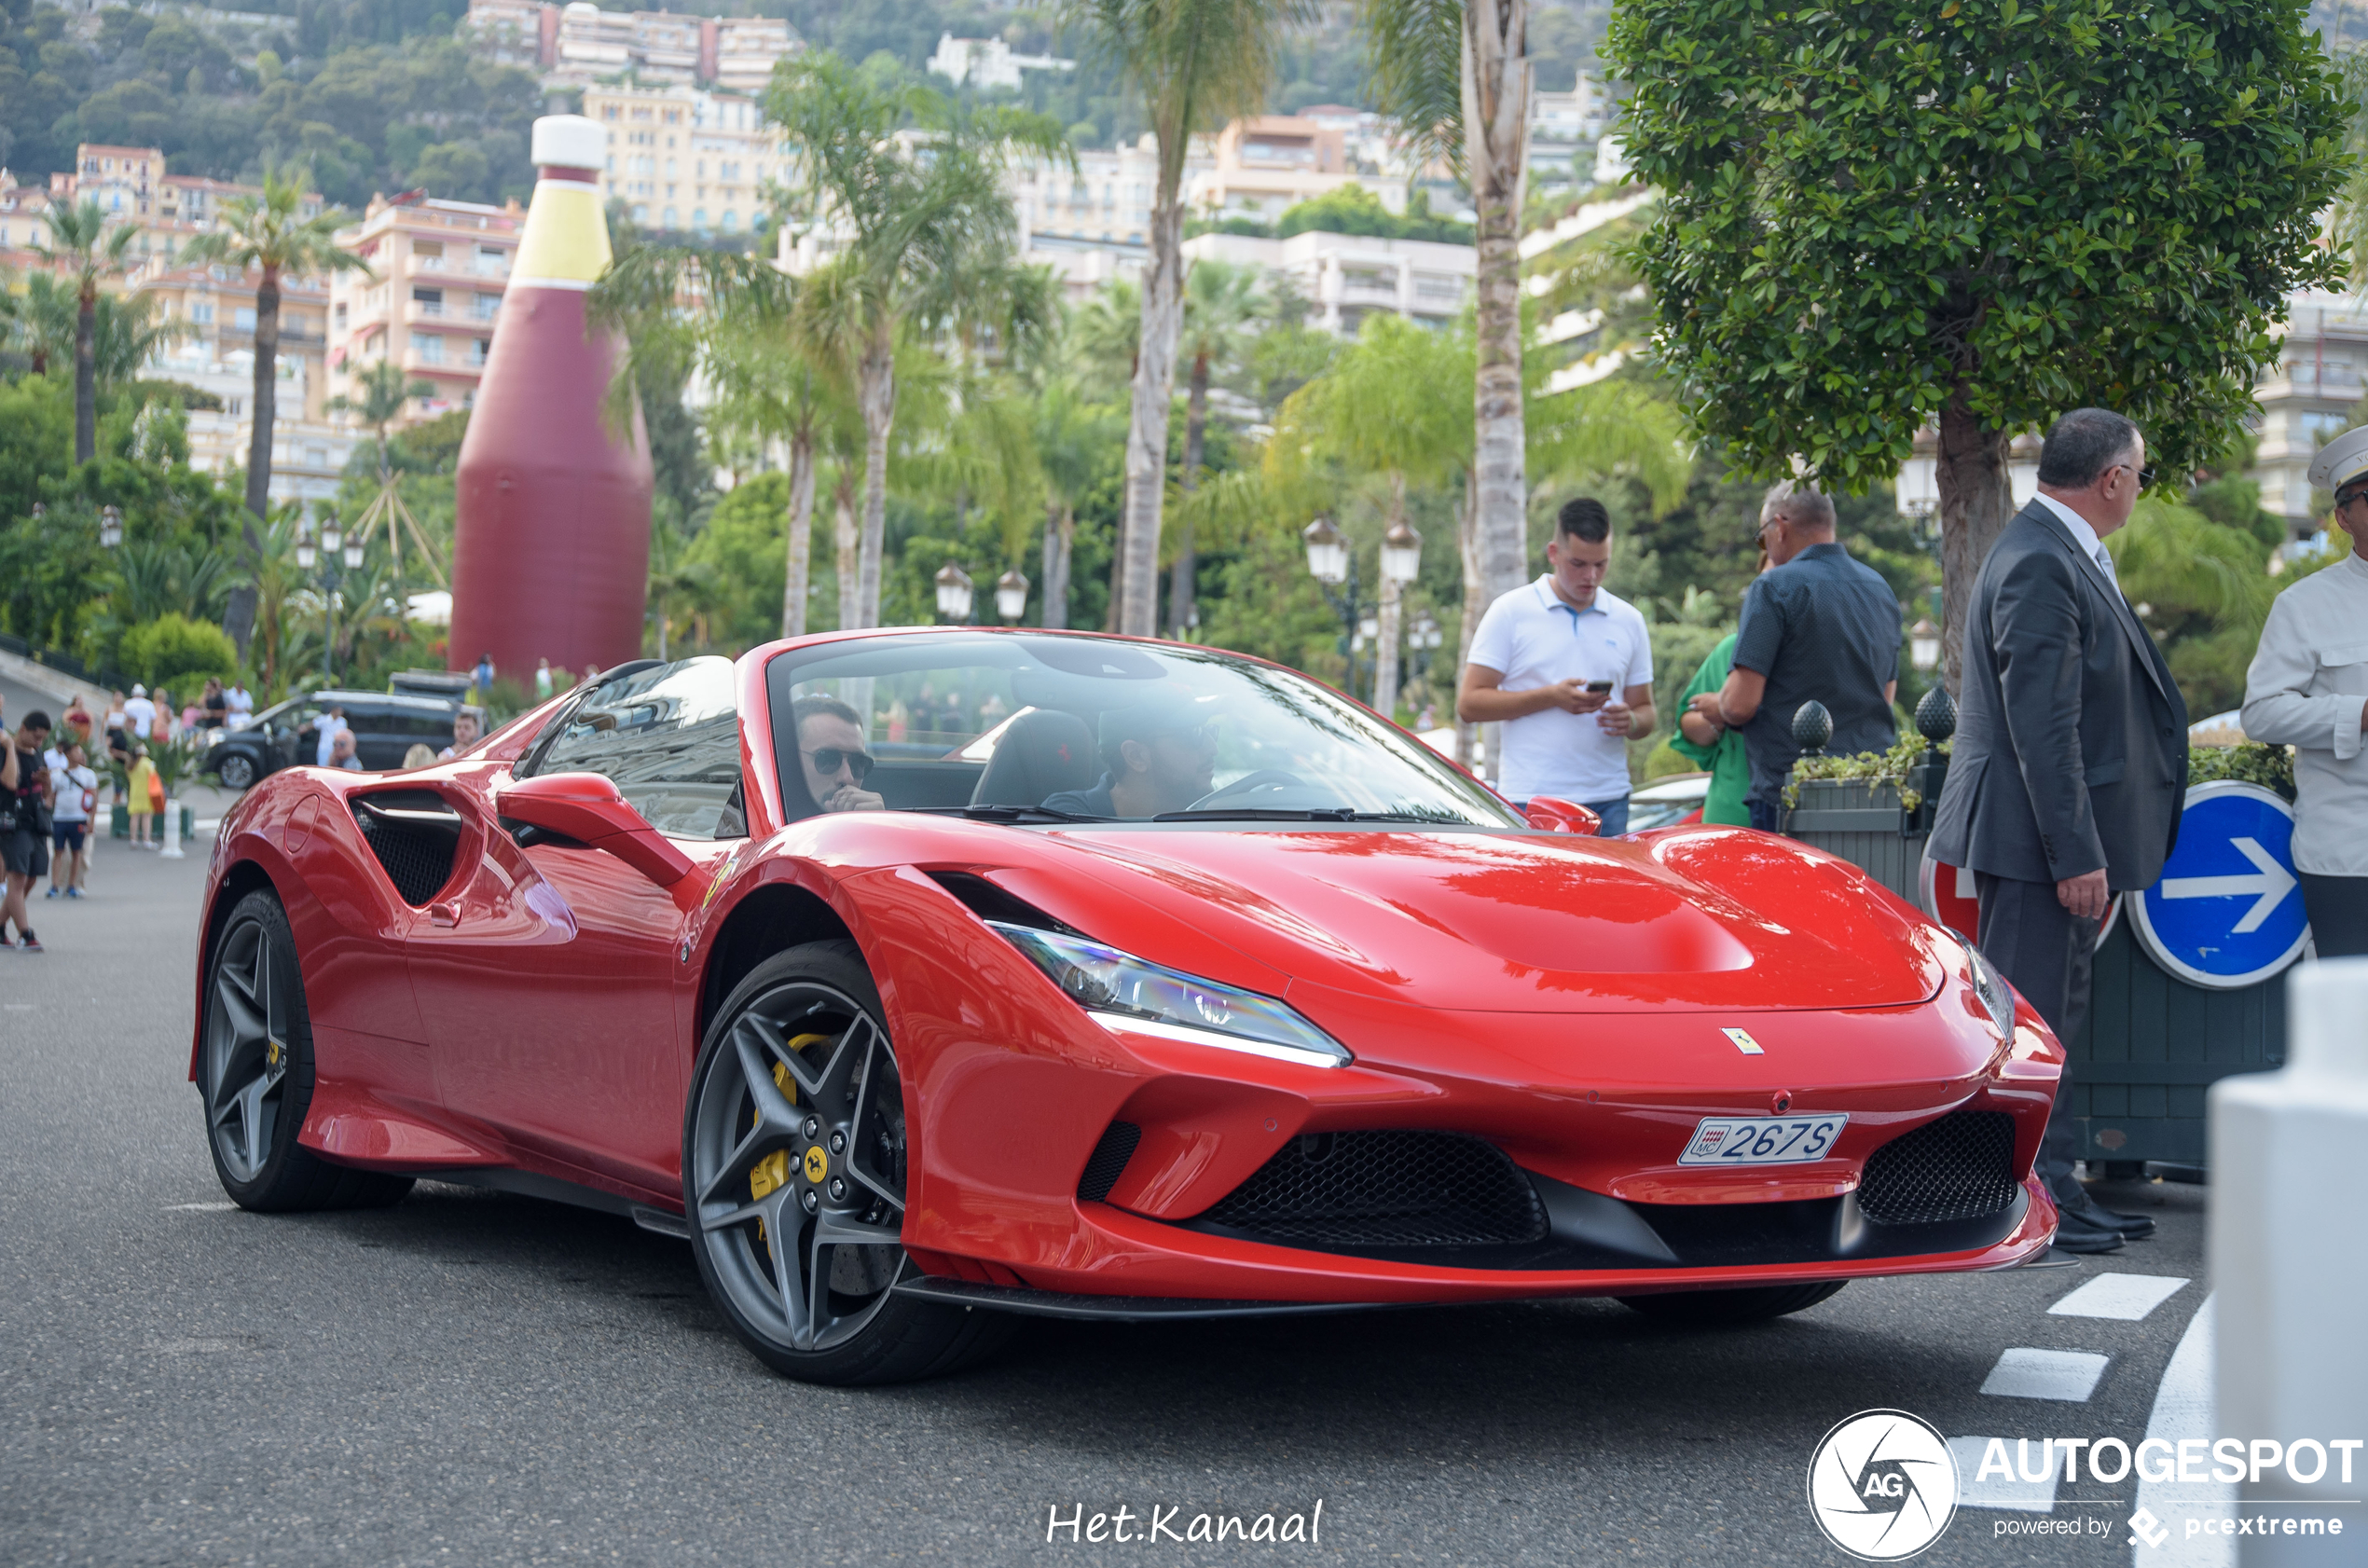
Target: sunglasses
(2145, 475)
(828, 760)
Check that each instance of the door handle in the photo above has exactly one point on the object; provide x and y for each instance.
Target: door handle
(446, 915)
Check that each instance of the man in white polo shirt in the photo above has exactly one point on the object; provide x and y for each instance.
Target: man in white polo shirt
(1568, 670)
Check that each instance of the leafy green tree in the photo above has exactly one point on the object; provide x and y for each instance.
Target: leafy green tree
(1982, 214)
(928, 225)
(174, 651)
(82, 243)
(1195, 63)
(1221, 302)
(271, 233)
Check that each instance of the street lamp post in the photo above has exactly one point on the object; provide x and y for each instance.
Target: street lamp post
(1401, 563)
(110, 524)
(1924, 646)
(1333, 566)
(1010, 596)
(335, 557)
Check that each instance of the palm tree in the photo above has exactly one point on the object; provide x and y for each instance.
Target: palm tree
(271, 233)
(1196, 62)
(1219, 301)
(1071, 433)
(80, 241)
(1454, 75)
(912, 189)
(124, 329)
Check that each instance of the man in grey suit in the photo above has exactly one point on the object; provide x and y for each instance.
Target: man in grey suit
(2071, 764)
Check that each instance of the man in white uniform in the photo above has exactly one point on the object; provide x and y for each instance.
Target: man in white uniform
(2309, 689)
(1568, 670)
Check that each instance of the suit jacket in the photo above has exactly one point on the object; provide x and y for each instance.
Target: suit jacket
(2071, 737)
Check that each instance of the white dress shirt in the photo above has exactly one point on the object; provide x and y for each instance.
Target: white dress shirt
(1532, 638)
(2305, 689)
(2084, 538)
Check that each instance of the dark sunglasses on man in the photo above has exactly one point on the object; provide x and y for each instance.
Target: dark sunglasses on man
(828, 760)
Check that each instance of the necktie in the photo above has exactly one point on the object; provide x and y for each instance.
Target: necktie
(2105, 560)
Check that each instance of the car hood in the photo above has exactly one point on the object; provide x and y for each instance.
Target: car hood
(1689, 919)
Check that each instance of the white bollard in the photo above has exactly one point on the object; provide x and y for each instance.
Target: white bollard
(2289, 1250)
(172, 850)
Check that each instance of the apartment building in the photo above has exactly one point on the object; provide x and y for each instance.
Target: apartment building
(133, 186)
(988, 63)
(24, 221)
(214, 305)
(2307, 400)
(687, 158)
(309, 453)
(440, 269)
(580, 43)
(1263, 165)
(1106, 201)
(1348, 277)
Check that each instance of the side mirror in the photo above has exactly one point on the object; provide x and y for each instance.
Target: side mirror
(1557, 815)
(587, 808)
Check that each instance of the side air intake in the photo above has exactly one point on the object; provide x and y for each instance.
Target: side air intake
(1960, 1167)
(413, 832)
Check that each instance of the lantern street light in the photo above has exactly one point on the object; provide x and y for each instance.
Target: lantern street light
(1923, 645)
(110, 525)
(1401, 563)
(327, 562)
(1010, 596)
(954, 594)
(1425, 638)
(1333, 566)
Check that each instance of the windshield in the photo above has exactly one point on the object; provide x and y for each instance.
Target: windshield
(1045, 726)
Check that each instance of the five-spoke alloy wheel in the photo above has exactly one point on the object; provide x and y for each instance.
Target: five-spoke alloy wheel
(795, 1159)
(255, 1072)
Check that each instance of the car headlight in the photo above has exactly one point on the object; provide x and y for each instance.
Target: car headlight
(1119, 990)
(1988, 985)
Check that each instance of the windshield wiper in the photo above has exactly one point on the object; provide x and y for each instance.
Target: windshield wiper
(1295, 813)
(1023, 814)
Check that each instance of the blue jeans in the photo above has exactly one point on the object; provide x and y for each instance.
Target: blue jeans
(1766, 816)
(1613, 812)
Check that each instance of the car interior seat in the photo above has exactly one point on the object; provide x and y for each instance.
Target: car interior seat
(1040, 754)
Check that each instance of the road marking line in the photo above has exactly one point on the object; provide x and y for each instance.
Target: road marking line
(222, 1208)
(2022, 1496)
(2069, 1375)
(2127, 1297)
(2183, 1409)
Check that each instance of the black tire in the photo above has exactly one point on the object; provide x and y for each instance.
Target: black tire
(255, 1074)
(238, 770)
(1723, 1309)
(825, 1163)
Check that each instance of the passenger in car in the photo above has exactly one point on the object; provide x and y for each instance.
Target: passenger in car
(1161, 758)
(830, 749)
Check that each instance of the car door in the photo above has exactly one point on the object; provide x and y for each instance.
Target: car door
(555, 1005)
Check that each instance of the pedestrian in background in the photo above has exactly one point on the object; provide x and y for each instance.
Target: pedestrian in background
(466, 728)
(1567, 668)
(24, 833)
(139, 714)
(542, 681)
(216, 702)
(1702, 736)
(77, 721)
(324, 736)
(239, 705)
(73, 798)
(1816, 627)
(342, 753)
(2309, 689)
(2070, 767)
(420, 756)
(139, 800)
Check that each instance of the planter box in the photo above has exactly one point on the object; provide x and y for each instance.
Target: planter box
(119, 823)
(2153, 1045)
(1861, 822)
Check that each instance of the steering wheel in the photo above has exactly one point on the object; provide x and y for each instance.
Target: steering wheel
(1234, 793)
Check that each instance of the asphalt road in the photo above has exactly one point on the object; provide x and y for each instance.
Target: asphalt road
(470, 1378)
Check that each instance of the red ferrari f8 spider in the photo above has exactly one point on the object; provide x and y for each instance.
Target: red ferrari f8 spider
(909, 973)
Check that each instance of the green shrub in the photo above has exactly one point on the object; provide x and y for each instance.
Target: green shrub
(2272, 767)
(176, 651)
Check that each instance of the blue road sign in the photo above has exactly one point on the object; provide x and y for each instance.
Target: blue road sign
(2227, 911)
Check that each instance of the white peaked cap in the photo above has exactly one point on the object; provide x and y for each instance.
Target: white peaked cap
(570, 141)
(2341, 461)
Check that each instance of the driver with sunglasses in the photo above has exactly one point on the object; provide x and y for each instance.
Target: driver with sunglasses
(830, 749)
(1160, 756)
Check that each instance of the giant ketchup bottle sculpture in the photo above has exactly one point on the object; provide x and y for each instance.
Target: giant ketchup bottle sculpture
(551, 541)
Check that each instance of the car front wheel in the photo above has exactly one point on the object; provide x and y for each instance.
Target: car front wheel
(236, 771)
(794, 1155)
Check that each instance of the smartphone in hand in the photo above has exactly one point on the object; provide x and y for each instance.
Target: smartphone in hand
(1599, 687)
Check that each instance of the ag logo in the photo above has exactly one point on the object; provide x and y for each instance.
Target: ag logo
(1882, 1485)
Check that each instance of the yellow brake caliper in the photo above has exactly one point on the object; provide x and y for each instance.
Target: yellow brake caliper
(772, 1173)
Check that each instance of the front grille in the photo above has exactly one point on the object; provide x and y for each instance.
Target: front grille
(1960, 1167)
(1107, 1162)
(1349, 1190)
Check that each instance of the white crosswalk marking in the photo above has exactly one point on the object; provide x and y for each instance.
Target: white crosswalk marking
(2127, 1297)
(2070, 1375)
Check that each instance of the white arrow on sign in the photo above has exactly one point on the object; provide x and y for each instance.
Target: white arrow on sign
(2268, 889)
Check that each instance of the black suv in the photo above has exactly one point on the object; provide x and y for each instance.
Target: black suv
(384, 728)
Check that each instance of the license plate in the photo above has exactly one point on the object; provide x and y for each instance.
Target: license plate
(1762, 1140)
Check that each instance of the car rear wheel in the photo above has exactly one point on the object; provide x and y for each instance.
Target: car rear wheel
(1715, 1309)
(255, 1074)
(795, 1155)
(236, 771)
